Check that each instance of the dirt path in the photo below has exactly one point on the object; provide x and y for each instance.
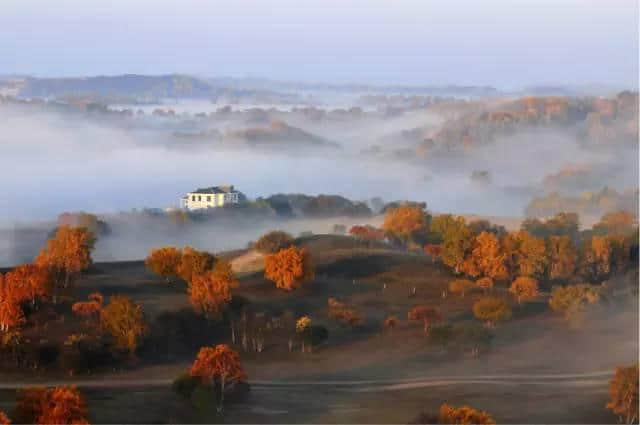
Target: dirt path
(587, 378)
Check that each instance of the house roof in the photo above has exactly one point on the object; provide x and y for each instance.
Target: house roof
(214, 189)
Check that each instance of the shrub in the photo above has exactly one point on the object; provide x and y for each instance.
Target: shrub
(461, 286)
(463, 415)
(491, 310)
(485, 283)
(184, 385)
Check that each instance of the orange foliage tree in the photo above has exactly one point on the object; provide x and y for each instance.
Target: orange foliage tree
(57, 405)
(11, 314)
(463, 415)
(124, 321)
(220, 367)
(210, 292)
(4, 419)
(405, 222)
(63, 405)
(29, 281)
(289, 268)
(524, 288)
(596, 258)
(491, 310)
(164, 262)
(428, 316)
(67, 254)
(562, 257)
(531, 257)
(623, 393)
(486, 258)
(194, 263)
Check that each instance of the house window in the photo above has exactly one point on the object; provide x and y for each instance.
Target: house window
(193, 198)
(208, 198)
(199, 198)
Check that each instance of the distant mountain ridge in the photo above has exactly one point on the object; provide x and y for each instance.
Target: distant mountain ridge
(167, 86)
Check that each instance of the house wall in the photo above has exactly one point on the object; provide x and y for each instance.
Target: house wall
(210, 200)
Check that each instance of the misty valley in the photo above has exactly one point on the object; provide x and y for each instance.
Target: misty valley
(182, 249)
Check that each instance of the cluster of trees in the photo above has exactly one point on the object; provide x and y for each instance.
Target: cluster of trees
(367, 233)
(56, 405)
(56, 268)
(209, 279)
(172, 263)
(553, 250)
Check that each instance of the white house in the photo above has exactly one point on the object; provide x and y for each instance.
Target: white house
(211, 197)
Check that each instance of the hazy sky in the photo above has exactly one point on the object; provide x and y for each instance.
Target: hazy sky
(504, 43)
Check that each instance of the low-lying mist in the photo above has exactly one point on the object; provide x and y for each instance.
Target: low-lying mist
(55, 161)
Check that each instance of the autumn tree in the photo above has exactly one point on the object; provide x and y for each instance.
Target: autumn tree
(457, 240)
(194, 263)
(427, 315)
(485, 283)
(531, 256)
(289, 268)
(164, 262)
(623, 394)
(57, 405)
(273, 242)
(486, 258)
(124, 321)
(562, 257)
(67, 254)
(304, 328)
(463, 415)
(11, 314)
(524, 288)
(461, 286)
(220, 367)
(405, 222)
(573, 299)
(29, 282)
(210, 292)
(596, 258)
(510, 248)
(63, 405)
(4, 419)
(491, 310)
